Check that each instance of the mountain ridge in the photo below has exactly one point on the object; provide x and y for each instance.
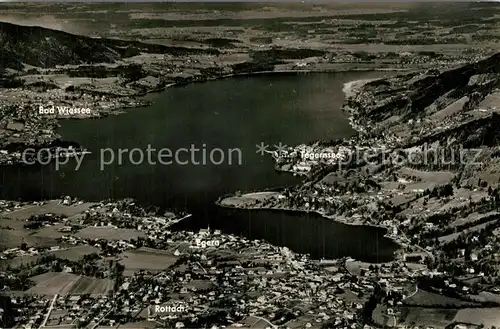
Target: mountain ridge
(415, 96)
(46, 48)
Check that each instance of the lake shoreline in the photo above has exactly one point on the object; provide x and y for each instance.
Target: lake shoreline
(220, 202)
(264, 73)
(349, 89)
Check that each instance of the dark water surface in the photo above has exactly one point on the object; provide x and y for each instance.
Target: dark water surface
(235, 113)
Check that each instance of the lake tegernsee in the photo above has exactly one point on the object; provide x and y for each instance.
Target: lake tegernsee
(234, 113)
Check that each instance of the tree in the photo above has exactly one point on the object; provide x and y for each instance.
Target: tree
(56, 266)
(7, 318)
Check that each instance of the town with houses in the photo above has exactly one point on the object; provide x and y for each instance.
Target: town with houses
(194, 279)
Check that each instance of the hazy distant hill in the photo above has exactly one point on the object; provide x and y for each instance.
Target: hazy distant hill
(41, 47)
(413, 96)
(459, 104)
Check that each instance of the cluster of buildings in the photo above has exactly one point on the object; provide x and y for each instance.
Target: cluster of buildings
(24, 126)
(218, 279)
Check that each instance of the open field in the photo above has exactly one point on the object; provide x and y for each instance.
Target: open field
(13, 232)
(451, 237)
(138, 325)
(489, 317)
(437, 318)
(429, 299)
(64, 326)
(247, 199)
(52, 283)
(72, 254)
(152, 260)
(13, 238)
(425, 179)
(461, 198)
(355, 266)
(50, 231)
(487, 297)
(109, 233)
(417, 180)
(52, 207)
(472, 218)
(75, 253)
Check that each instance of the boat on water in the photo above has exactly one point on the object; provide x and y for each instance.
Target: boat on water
(61, 152)
(178, 220)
